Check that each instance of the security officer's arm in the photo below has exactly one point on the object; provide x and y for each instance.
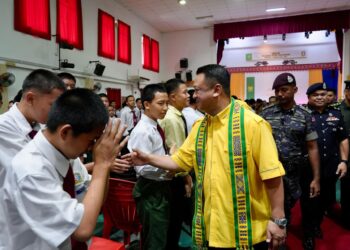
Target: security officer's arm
(275, 234)
(344, 152)
(315, 165)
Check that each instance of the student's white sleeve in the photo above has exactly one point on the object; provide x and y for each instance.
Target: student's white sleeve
(48, 210)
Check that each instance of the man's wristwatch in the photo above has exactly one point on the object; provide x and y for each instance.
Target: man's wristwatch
(282, 223)
(345, 161)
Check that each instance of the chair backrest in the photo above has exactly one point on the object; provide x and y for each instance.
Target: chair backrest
(120, 207)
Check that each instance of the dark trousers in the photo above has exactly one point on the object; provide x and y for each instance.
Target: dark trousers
(153, 209)
(260, 246)
(345, 200)
(179, 210)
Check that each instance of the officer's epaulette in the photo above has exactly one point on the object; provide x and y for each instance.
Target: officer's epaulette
(304, 108)
(269, 106)
(335, 105)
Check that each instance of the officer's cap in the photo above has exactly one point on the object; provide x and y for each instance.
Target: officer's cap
(316, 86)
(347, 84)
(284, 79)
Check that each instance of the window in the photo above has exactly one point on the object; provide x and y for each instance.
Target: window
(150, 59)
(106, 35)
(124, 42)
(155, 55)
(69, 23)
(146, 43)
(33, 17)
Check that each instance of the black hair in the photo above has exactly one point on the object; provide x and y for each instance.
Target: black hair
(66, 75)
(126, 99)
(216, 74)
(172, 85)
(234, 97)
(0, 96)
(191, 93)
(138, 99)
(81, 108)
(103, 95)
(18, 96)
(149, 92)
(43, 81)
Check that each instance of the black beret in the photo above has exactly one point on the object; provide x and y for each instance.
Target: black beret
(284, 79)
(347, 84)
(316, 86)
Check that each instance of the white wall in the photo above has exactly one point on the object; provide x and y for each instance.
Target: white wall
(197, 46)
(318, 48)
(22, 48)
(264, 81)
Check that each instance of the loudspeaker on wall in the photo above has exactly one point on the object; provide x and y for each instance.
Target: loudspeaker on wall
(99, 69)
(183, 63)
(178, 75)
(189, 76)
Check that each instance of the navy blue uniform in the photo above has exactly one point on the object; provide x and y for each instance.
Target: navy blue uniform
(331, 132)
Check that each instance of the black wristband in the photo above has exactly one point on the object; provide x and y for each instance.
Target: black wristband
(345, 161)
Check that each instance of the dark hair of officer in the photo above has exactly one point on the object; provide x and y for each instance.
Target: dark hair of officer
(216, 74)
(81, 108)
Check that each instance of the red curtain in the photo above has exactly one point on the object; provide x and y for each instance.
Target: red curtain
(124, 42)
(282, 25)
(155, 55)
(146, 43)
(339, 36)
(106, 35)
(69, 23)
(33, 17)
(114, 95)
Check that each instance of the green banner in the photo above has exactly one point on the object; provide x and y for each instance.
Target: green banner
(248, 56)
(250, 87)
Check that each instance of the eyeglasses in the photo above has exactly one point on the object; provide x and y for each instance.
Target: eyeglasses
(199, 91)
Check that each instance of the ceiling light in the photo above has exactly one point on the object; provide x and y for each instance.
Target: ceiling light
(182, 2)
(275, 9)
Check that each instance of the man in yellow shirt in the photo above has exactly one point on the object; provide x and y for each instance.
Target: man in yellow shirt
(239, 190)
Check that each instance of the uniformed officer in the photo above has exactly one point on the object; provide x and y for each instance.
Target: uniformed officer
(345, 182)
(333, 148)
(295, 137)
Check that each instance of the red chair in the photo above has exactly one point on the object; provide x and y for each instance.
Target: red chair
(119, 210)
(98, 243)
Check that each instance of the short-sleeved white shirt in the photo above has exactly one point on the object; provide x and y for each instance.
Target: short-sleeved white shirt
(40, 214)
(127, 117)
(146, 137)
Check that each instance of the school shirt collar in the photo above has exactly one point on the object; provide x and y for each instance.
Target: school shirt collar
(21, 122)
(149, 121)
(51, 154)
(174, 110)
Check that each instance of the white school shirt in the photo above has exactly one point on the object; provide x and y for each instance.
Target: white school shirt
(146, 137)
(40, 214)
(14, 135)
(127, 118)
(191, 115)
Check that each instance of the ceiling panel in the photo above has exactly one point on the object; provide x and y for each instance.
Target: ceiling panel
(169, 15)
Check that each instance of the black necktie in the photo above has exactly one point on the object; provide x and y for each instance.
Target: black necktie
(161, 132)
(185, 125)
